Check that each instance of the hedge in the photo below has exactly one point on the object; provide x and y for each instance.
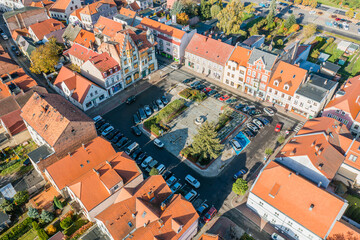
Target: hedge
(193, 94)
(18, 230)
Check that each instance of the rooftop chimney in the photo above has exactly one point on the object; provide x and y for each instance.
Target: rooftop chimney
(83, 145)
(95, 171)
(163, 206)
(69, 153)
(320, 165)
(311, 207)
(150, 194)
(319, 184)
(108, 163)
(317, 147)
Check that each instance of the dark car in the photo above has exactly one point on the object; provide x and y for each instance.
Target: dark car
(164, 100)
(17, 53)
(218, 95)
(200, 87)
(122, 142)
(239, 174)
(154, 106)
(1, 30)
(264, 120)
(136, 130)
(167, 175)
(136, 153)
(188, 80)
(136, 118)
(13, 48)
(248, 133)
(194, 84)
(99, 123)
(130, 100)
(212, 92)
(210, 214)
(104, 126)
(111, 134)
(254, 112)
(140, 158)
(116, 138)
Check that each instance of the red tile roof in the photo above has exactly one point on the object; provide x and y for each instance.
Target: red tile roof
(210, 49)
(127, 12)
(7, 63)
(85, 38)
(344, 230)
(45, 27)
(60, 5)
(107, 27)
(22, 81)
(42, 3)
(144, 202)
(13, 122)
(163, 28)
(82, 160)
(103, 62)
(240, 55)
(295, 198)
(93, 7)
(81, 52)
(287, 74)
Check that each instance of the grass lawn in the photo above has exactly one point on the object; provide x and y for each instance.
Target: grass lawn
(30, 235)
(329, 3)
(353, 200)
(342, 37)
(75, 226)
(334, 52)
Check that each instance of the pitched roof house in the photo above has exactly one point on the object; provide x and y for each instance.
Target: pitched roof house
(80, 91)
(62, 9)
(299, 208)
(56, 123)
(39, 30)
(207, 56)
(85, 38)
(106, 28)
(70, 34)
(149, 211)
(79, 54)
(24, 17)
(7, 65)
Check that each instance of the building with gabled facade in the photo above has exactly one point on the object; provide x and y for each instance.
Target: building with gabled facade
(39, 30)
(235, 69)
(62, 9)
(105, 72)
(79, 54)
(207, 56)
(284, 82)
(149, 211)
(70, 34)
(142, 4)
(10, 5)
(171, 41)
(80, 91)
(105, 29)
(260, 66)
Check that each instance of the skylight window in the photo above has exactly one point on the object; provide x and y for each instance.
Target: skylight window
(144, 214)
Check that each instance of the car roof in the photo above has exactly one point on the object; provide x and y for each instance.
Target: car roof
(212, 210)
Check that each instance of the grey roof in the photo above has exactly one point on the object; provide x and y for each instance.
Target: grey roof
(321, 82)
(316, 88)
(311, 67)
(331, 66)
(124, 18)
(269, 59)
(4, 218)
(20, 10)
(253, 39)
(203, 27)
(41, 152)
(71, 32)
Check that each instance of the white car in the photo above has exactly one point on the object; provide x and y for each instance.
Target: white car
(312, 12)
(175, 187)
(97, 118)
(147, 110)
(276, 236)
(346, 27)
(158, 143)
(146, 162)
(258, 123)
(236, 144)
(269, 111)
(190, 179)
(171, 181)
(160, 103)
(191, 195)
(161, 168)
(107, 130)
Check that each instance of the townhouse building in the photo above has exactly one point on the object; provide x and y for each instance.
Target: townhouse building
(70, 34)
(79, 54)
(105, 29)
(80, 91)
(235, 69)
(43, 4)
(171, 41)
(345, 105)
(105, 72)
(141, 4)
(149, 211)
(38, 31)
(260, 66)
(207, 56)
(283, 84)
(24, 17)
(85, 38)
(10, 5)
(61, 10)
(312, 96)
(293, 205)
(125, 16)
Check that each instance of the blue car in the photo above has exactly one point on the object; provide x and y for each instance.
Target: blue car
(265, 121)
(239, 174)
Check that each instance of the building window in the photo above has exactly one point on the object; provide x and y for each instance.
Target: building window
(228, 74)
(102, 97)
(152, 67)
(301, 104)
(242, 72)
(134, 57)
(276, 83)
(150, 58)
(353, 158)
(126, 70)
(270, 90)
(286, 87)
(232, 83)
(88, 104)
(135, 65)
(249, 72)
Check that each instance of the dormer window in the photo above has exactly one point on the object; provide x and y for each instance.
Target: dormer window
(286, 87)
(276, 83)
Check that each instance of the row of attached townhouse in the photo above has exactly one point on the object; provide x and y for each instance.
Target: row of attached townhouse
(293, 192)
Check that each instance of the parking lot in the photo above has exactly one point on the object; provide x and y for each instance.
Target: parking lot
(250, 159)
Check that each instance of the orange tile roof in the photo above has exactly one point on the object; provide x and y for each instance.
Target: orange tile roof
(107, 27)
(7, 63)
(350, 101)
(45, 199)
(163, 28)
(144, 202)
(295, 197)
(13, 122)
(60, 5)
(344, 230)
(22, 81)
(352, 157)
(81, 161)
(41, 3)
(85, 38)
(320, 152)
(210, 49)
(50, 114)
(93, 7)
(103, 62)
(127, 12)
(76, 13)
(44, 28)
(241, 56)
(94, 187)
(288, 74)
(19, 32)
(208, 236)
(81, 52)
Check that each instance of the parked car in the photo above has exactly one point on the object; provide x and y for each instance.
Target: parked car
(212, 92)
(264, 120)
(278, 127)
(276, 236)
(206, 90)
(258, 123)
(248, 133)
(131, 148)
(240, 173)
(174, 188)
(99, 123)
(190, 195)
(301, 14)
(193, 182)
(136, 153)
(136, 130)
(194, 84)
(97, 118)
(231, 100)
(130, 99)
(142, 114)
(239, 106)
(174, 66)
(147, 110)
(210, 214)
(171, 180)
(269, 111)
(224, 98)
(122, 142)
(160, 103)
(312, 12)
(103, 127)
(1, 30)
(14, 48)
(217, 95)
(146, 162)
(158, 143)
(252, 127)
(107, 130)
(254, 112)
(164, 100)
(111, 134)
(200, 87)
(202, 208)
(140, 158)
(167, 175)
(188, 80)
(117, 137)
(136, 118)
(235, 144)
(161, 168)
(152, 165)
(155, 107)
(4, 36)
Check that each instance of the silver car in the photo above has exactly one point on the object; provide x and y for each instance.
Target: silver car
(252, 127)
(147, 110)
(160, 103)
(258, 123)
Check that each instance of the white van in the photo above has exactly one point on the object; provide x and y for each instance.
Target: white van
(276, 236)
(130, 149)
(146, 162)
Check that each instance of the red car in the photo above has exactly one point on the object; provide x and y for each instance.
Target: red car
(278, 127)
(224, 98)
(206, 90)
(210, 214)
(337, 19)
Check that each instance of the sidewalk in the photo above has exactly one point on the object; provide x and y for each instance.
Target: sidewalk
(243, 95)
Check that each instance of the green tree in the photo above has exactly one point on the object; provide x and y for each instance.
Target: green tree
(272, 8)
(305, 2)
(46, 216)
(313, 3)
(205, 9)
(177, 8)
(21, 197)
(290, 21)
(42, 234)
(66, 222)
(45, 57)
(182, 18)
(254, 30)
(240, 186)
(33, 213)
(35, 225)
(309, 30)
(357, 16)
(269, 151)
(190, 7)
(281, 139)
(246, 236)
(350, 13)
(214, 10)
(154, 171)
(315, 54)
(206, 143)
(6, 206)
(280, 42)
(57, 203)
(298, 2)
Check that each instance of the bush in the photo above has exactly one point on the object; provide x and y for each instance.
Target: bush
(35, 226)
(350, 210)
(46, 216)
(21, 197)
(269, 151)
(7, 206)
(64, 224)
(51, 230)
(57, 203)
(281, 139)
(246, 236)
(33, 213)
(42, 234)
(18, 230)
(240, 186)
(154, 171)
